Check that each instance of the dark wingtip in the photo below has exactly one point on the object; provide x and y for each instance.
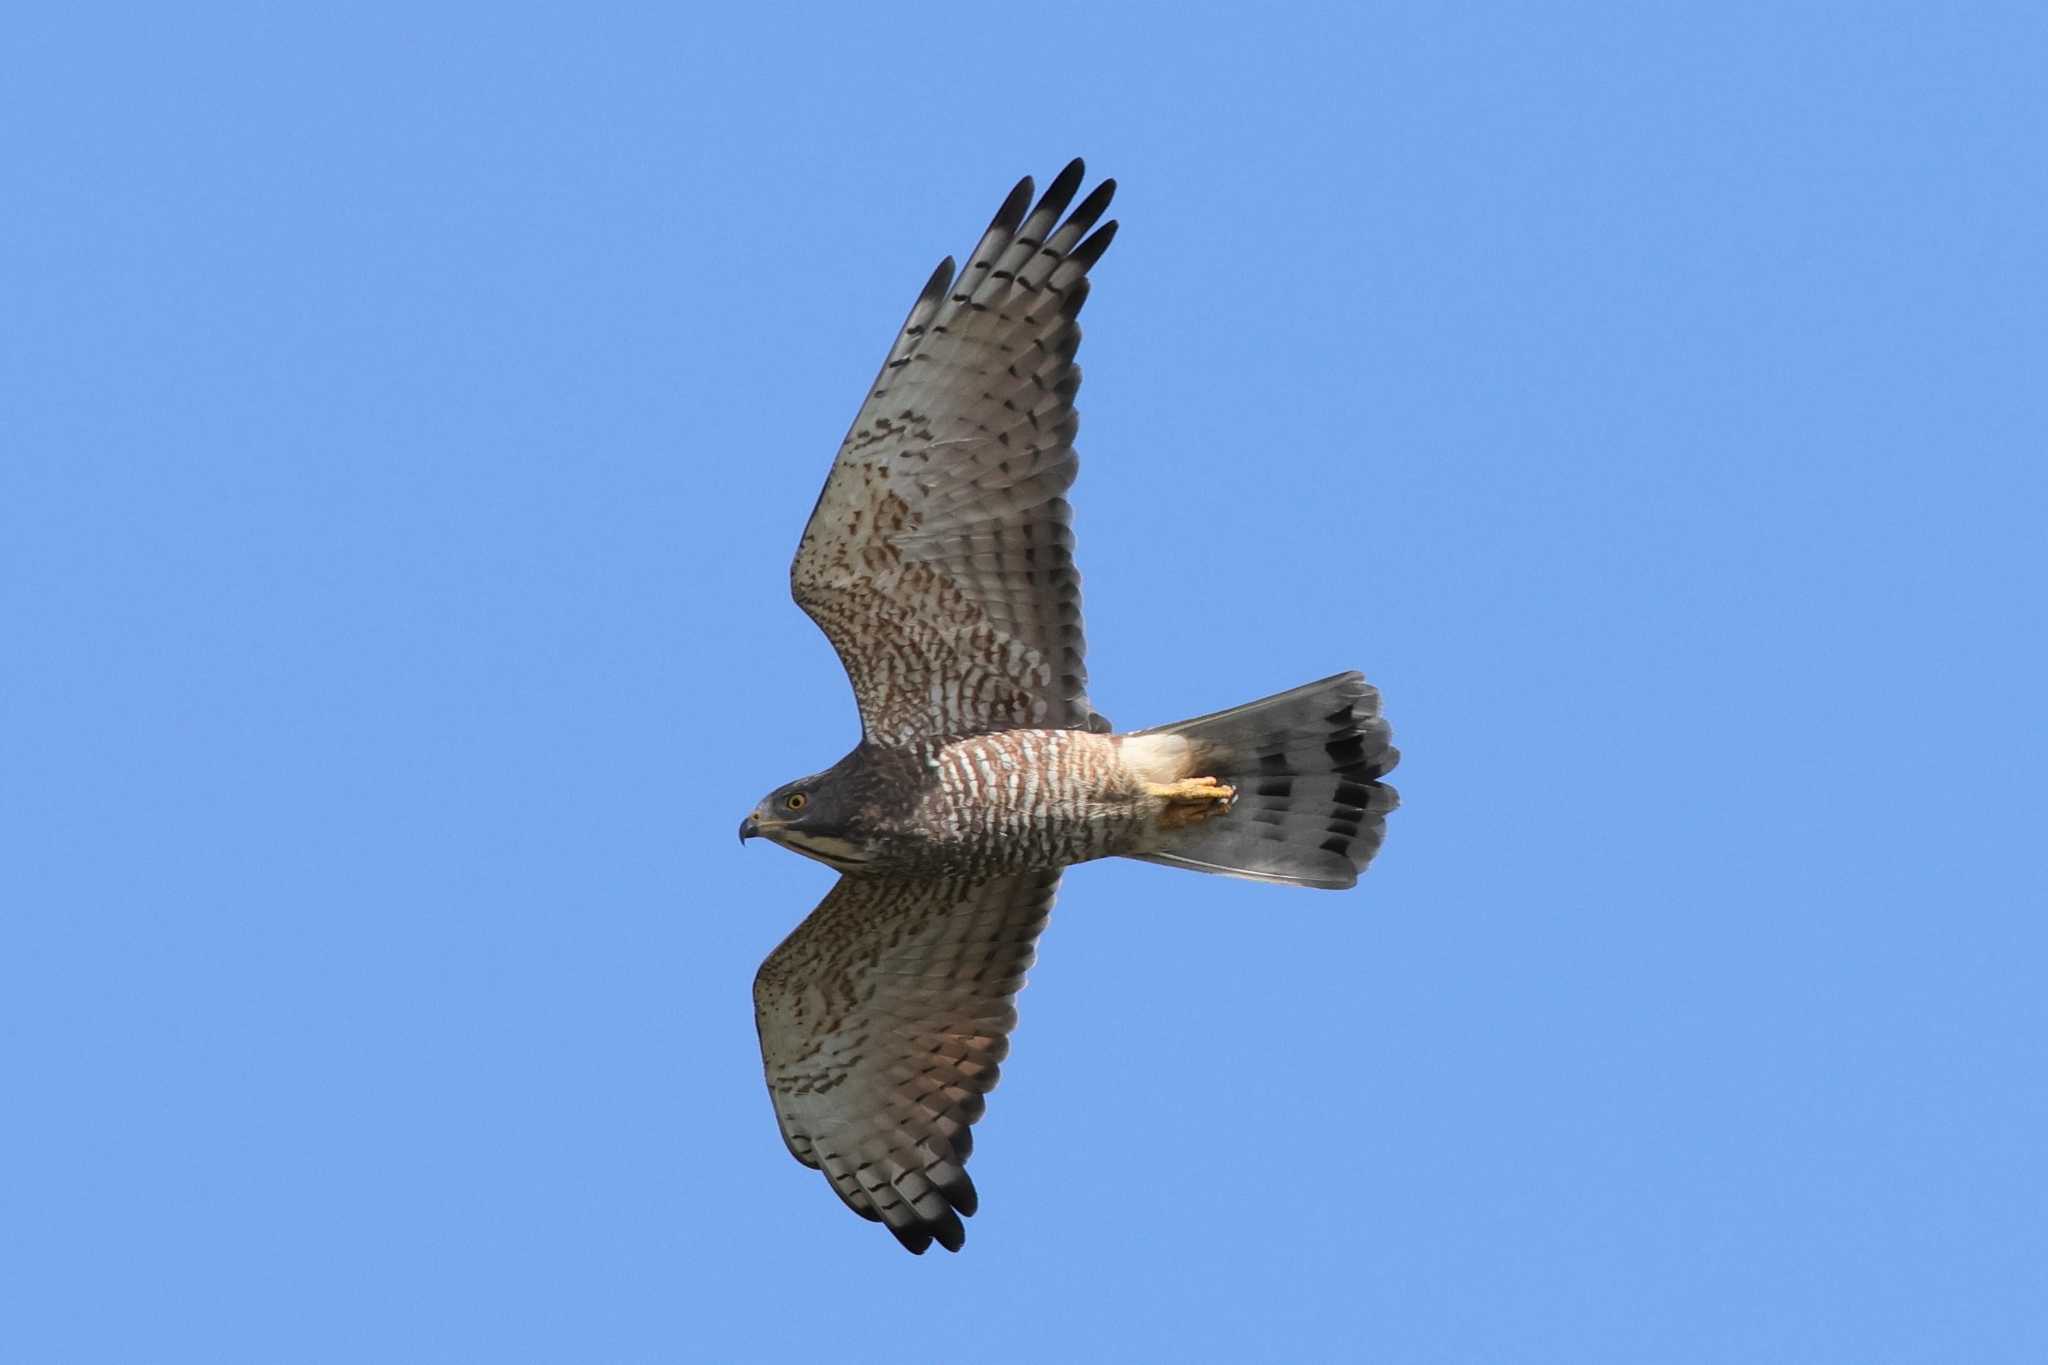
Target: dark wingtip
(1060, 192)
(1013, 209)
(1084, 215)
(916, 1241)
(1090, 251)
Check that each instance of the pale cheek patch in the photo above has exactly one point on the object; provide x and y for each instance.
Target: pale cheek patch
(833, 852)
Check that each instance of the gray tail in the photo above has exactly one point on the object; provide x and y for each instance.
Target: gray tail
(1310, 809)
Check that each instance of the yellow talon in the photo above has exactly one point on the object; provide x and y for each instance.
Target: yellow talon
(1191, 789)
(1190, 800)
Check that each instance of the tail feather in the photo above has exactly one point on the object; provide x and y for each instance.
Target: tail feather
(1310, 809)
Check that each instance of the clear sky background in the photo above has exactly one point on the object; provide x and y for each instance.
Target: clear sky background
(405, 424)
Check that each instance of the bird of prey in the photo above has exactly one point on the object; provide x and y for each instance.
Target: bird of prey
(939, 563)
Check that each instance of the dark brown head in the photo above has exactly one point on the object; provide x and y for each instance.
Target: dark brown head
(812, 816)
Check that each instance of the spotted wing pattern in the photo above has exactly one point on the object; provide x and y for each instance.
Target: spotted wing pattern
(939, 559)
(883, 1019)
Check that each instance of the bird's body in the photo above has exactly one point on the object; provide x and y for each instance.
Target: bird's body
(1009, 801)
(939, 563)
(1023, 799)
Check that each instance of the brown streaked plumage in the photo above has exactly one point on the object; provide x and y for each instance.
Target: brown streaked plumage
(939, 562)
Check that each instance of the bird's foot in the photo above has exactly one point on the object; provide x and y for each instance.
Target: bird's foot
(1190, 799)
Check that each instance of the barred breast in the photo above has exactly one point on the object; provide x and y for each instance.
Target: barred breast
(1027, 799)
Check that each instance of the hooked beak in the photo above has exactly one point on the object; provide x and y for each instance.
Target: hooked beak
(749, 827)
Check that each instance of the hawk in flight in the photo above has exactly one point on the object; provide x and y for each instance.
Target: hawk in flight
(940, 564)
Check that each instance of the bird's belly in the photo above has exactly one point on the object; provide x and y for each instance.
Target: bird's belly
(1026, 799)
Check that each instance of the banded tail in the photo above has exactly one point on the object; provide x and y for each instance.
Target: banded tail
(1310, 809)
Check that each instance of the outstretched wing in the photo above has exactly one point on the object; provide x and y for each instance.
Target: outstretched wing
(939, 559)
(882, 1021)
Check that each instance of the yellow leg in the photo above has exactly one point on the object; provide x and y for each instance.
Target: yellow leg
(1191, 789)
(1190, 799)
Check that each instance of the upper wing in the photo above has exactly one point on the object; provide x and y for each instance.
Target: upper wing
(882, 1020)
(939, 559)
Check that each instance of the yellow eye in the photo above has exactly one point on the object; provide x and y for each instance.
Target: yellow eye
(796, 800)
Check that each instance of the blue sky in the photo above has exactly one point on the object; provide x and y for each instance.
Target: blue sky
(405, 423)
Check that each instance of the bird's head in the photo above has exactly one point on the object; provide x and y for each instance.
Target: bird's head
(809, 816)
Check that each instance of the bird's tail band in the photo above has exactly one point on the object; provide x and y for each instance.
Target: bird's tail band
(1309, 807)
